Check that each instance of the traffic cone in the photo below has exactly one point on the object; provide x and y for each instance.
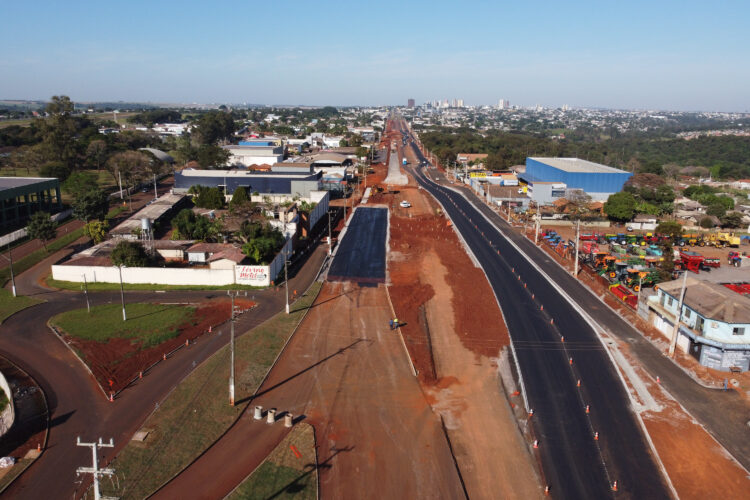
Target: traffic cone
(579, 383)
(111, 397)
(209, 328)
(38, 447)
(546, 491)
(658, 381)
(614, 486)
(187, 342)
(541, 308)
(596, 436)
(570, 360)
(562, 338)
(140, 374)
(164, 357)
(552, 321)
(588, 409)
(536, 444)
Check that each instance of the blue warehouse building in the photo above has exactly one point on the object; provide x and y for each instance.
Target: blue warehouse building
(596, 180)
(300, 183)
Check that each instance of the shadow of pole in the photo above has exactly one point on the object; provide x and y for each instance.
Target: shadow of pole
(294, 486)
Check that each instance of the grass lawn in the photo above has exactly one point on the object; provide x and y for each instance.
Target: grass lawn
(197, 412)
(283, 475)
(109, 287)
(152, 324)
(10, 304)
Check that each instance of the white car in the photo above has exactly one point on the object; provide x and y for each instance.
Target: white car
(405, 204)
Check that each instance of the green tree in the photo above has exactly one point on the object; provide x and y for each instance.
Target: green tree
(188, 225)
(670, 228)
(96, 230)
(213, 127)
(706, 223)
(78, 183)
(210, 155)
(620, 206)
(129, 253)
(96, 153)
(239, 198)
(716, 209)
(56, 169)
(263, 241)
(732, 220)
(42, 227)
(211, 198)
(59, 131)
(184, 223)
(92, 204)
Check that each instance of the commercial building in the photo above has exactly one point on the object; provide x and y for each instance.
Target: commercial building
(247, 155)
(714, 325)
(157, 211)
(596, 180)
(22, 196)
(410, 103)
(263, 183)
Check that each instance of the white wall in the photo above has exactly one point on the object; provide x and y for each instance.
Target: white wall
(144, 275)
(8, 415)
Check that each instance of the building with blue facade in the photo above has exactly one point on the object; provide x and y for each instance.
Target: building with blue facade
(597, 181)
(296, 183)
(714, 326)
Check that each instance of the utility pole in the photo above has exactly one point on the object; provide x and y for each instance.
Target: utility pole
(286, 281)
(94, 469)
(122, 296)
(640, 285)
(536, 235)
(678, 317)
(12, 276)
(578, 231)
(119, 178)
(330, 235)
(86, 293)
(156, 193)
(232, 294)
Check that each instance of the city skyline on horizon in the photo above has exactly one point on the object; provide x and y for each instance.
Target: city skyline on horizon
(684, 56)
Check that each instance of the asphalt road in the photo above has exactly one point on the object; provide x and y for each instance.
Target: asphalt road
(361, 252)
(77, 405)
(575, 465)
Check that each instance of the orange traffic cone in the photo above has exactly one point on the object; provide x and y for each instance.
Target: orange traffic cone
(111, 397)
(614, 486)
(536, 444)
(38, 447)
(588, 409)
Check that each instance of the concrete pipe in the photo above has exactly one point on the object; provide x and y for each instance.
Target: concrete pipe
(258, 413)
(288, 420)
(271, 416)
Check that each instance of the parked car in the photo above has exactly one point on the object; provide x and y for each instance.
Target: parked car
(405, 204)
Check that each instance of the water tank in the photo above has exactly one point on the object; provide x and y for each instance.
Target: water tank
(145, 224)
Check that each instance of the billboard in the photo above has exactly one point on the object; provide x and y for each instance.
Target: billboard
(478, 175)
(252, 275)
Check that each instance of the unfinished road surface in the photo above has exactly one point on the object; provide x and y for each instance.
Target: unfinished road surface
(361, 254)
(565, 416)
(346, 373)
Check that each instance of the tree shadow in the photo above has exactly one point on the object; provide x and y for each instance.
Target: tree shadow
(166, 308)
(317, 363)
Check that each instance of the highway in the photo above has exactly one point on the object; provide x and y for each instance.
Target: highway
(575, 465)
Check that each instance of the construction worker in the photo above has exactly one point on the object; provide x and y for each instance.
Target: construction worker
(390, 323)
(395, 323)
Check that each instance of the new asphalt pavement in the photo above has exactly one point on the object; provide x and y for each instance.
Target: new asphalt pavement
(555, 347)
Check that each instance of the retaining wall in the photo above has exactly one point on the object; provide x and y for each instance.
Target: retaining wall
(8, 415)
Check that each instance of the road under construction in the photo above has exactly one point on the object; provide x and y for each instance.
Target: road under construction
(589, 438)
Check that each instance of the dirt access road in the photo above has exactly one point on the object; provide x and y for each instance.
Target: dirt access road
(346, 372)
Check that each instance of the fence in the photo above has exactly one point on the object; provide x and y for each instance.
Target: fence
(21, 233)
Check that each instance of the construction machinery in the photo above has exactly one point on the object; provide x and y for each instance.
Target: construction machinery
(637, 278)
(728, 239)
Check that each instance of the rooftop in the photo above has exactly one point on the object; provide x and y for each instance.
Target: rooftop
(577, 165)
(14, 182)
(711, 300)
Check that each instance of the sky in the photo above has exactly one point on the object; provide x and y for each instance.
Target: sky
(659, 54)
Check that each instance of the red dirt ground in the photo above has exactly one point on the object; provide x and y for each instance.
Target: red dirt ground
(120, 360)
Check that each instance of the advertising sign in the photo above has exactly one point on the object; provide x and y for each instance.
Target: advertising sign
(252, 275)
(478, 175)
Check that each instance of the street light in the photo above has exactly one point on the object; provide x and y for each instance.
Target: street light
(12, 276)
(122, 295)
(286, 281)
(86, 293)
(232, 294)
(330, 235)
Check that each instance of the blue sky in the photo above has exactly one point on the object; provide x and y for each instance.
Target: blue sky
(659, 54)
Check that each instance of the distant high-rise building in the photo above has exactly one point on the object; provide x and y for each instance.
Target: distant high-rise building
(410, 103)
(454, 103)
(503, 104)
(445, 104)
(460, 103)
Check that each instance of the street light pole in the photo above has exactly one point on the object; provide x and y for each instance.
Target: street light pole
(122, 296)
(12, 276)
(231, 350)
(678, 317)
(330, 235)
(286, 282)
(86, 293)
(578, 230)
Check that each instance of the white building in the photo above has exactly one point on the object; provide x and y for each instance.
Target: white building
(246, 156)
